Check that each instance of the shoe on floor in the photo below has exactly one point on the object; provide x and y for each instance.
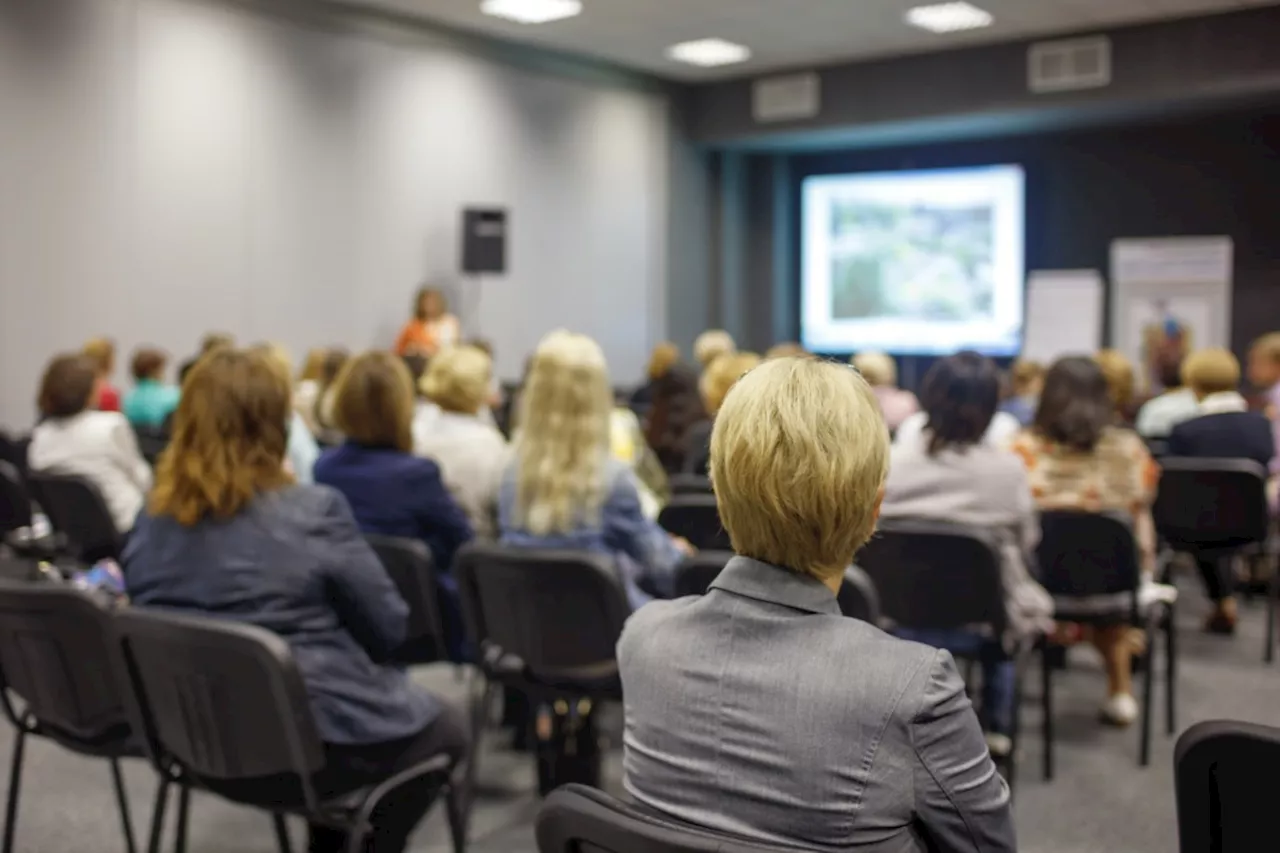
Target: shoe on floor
(1220, 623)
(1120, 710)
(999, 745)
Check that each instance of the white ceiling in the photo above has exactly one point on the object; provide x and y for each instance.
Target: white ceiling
(786, 33)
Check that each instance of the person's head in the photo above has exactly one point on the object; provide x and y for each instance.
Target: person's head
(788, 349)
(799, 455)
(483, 344)
(676, 405)
(879, 369)
(68, 386)
(148, 364)
(1264, 361)
(215, 341)
(1211, 371)
(1168, 369)
(959, 397)
(1075, 404)
(229, 433)
(664, 357)
(334, 360)
(1026, 378)
(102, 351)
(458, 380)
(313, 365)
(562, 440)
(712, 344)
(720, 376)
(429, 304)
(1118, 371)
(373, 402)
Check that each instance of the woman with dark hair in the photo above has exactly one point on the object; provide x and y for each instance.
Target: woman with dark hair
(675, 407)
(948, 473)
(1077, 459)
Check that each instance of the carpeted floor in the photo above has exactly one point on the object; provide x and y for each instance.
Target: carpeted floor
(1100, 800)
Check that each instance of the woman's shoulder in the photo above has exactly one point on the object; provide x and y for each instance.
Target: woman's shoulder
(1123, 441)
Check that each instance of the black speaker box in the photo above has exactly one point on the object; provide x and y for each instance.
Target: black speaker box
(484, 240)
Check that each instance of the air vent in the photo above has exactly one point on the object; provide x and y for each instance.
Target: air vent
(788, 97)
(1069, 64)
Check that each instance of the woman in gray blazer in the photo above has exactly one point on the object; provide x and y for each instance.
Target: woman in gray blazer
(758, 709)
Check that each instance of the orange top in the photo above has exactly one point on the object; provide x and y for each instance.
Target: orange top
(426, 337)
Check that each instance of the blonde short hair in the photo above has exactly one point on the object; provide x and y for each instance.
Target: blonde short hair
(799, 453)
(1118, 371)
(1024, 375)
(457, 379)
(664, 357)
(877, 368)
(720, 376)
(712, 344)
(1268, 346)
(1209, 371)
(103, 353)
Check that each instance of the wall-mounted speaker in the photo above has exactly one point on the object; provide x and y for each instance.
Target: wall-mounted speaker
(484, 240)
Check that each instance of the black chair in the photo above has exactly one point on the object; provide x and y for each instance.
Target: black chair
(409, 563)
(1216, 509)
(77, 510)
(15, 503)
(689, 484)
(55, 655)
(217, 701)
(1084, 554)
(695, 574)
(578, 819)
(933, 575)
(1224, 802)
(858, 598)
(1158, 447)
(152, 440)
(696, 518)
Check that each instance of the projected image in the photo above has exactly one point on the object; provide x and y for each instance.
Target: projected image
(913, 262)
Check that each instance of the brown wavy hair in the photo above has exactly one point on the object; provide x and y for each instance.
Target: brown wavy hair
(229, 436)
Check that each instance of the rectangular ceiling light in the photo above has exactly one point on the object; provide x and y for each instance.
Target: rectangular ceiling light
(708, 53)
(949, 17)
(532, 11)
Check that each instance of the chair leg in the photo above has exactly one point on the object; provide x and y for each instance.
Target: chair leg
(157, 815)
(1046, 699)
(457, 805)
(1148, 680)
(15, 783)
(1011, 764)
(122, 800)
(184, 810)
(1269, 653)
(1171, 673)
(282, 832)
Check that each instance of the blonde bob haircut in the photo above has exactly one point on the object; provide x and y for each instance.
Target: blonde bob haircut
(877, 368)
(663, 357)
(799, 453)
(563, 438)
(1118, 371)
(229, 437)
(373, 402)
(1211, 371)
(457, 379)
(720, 376)
(712, 344)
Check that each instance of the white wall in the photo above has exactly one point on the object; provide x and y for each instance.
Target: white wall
(169, 167)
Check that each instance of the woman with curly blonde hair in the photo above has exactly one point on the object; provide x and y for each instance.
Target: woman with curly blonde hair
(563, 489)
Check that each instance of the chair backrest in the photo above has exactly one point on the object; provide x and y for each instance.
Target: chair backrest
(858, 597)
(409, 563)
(695, 574)
(1206, 503)
(152, 440)
(560, 612)
(15, 503)
(77, 510)
(932, 574)
(1220, 772)
(696, 518)
(578, 819)
(1087, 553)
(689, 484)
(56, 653)
(217, 699)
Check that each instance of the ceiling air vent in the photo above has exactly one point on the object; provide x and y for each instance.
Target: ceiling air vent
(787, 97)
(1069, 64)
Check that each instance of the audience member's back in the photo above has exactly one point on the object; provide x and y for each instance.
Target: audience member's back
(1223, 428)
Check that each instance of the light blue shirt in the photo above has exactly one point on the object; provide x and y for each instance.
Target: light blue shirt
(150, 403)
(302, 450)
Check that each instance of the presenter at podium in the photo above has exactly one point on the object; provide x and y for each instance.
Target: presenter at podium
(432, 327)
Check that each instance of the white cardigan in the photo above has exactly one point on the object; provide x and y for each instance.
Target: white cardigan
(101, 447)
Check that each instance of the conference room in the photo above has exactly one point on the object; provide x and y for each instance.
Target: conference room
(573, 425)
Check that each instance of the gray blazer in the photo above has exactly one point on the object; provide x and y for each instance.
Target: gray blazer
(758, 710)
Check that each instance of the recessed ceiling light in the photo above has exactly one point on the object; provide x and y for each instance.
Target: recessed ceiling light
(532, 11)
(708, 52)
(949, 17)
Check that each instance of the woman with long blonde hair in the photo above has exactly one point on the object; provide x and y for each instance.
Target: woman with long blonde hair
(563, 489)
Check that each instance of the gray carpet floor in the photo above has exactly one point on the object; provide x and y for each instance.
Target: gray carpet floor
(1100, 800)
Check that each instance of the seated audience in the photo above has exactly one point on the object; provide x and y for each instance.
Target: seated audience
(712, 344)
(432, 328)
(302, 451)
(151, 401)
(665, 356)
(1224, 429)
(307, 388)
(948, 474)
(1026, 378)
(676, 406)
(881, 371)
(758, 709)
(229, 535)
(72, 438)
(1118, 371)
(320, 421)
(713, 386)
(1077, 459)
(786, 349)
(563, 488)
(470, 451)
(1264, 374)
(102, 351)
(1159, 415)
(628, 446)
(209, 343)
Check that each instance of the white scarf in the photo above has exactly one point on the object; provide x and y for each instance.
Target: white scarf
(1223, 402)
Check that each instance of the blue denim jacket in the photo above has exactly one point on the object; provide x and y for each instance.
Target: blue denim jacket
(640, 547)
